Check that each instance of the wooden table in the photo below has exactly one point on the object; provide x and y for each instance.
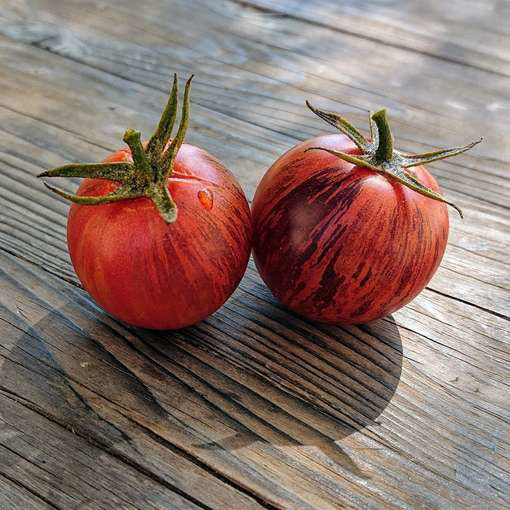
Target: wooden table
(254, 408)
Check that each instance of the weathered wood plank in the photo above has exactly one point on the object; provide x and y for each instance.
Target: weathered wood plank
(261, 85)
(72, 456)
(220, 371)
(15, 496)
(467, 33)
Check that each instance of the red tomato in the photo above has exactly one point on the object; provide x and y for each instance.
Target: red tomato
(160, 236)
(340, 243)
(161, 276)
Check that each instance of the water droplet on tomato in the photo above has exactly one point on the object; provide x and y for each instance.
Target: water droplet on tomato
(206, 198)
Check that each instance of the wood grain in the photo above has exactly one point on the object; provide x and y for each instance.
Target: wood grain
(254, 407)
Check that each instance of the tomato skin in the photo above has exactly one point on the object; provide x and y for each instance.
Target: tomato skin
(341, 244)
(157, 275)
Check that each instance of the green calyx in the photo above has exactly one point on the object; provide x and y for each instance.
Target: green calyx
(152, 165)
(379, 155)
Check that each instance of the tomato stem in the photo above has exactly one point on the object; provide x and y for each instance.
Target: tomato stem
(379, 155)
(147, 175)
(133, 140)
(384, 150)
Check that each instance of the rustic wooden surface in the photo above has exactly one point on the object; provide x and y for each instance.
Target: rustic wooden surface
(254, 408)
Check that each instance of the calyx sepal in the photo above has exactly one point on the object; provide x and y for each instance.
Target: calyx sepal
(150, 170)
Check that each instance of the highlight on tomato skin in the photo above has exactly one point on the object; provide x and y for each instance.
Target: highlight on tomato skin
(339, 238)
(166, 246)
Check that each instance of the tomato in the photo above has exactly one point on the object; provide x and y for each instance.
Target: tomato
(161, 276)
(343, 240)
(140, 260)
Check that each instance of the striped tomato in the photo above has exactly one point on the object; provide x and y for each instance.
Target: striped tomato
(159, 234)
(347, 230)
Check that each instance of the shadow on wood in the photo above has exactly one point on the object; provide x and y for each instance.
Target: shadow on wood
(356, 372)
(250, 377)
